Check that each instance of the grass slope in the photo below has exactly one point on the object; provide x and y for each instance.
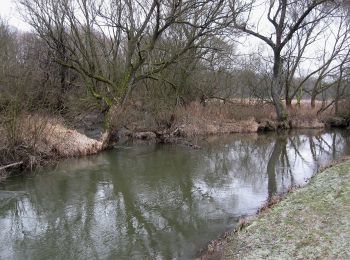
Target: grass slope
(311, 223)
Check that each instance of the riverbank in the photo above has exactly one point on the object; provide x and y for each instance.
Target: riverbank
(311, 222)
(37, 140)
(33, 139)
(217, 118)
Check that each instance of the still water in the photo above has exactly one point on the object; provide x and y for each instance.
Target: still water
(155, 201)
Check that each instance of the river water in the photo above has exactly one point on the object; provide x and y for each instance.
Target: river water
(155, 201)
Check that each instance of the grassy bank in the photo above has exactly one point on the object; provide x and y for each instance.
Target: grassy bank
(312, 222)
(34, 140)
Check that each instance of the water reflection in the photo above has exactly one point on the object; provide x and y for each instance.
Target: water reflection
(158, 202)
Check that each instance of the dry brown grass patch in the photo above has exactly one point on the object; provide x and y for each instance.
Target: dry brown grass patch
(304, 116)
(69, 143)
(234, 110)
(36, 139)
(217, 118)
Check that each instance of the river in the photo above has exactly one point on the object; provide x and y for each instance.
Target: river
(155, 201)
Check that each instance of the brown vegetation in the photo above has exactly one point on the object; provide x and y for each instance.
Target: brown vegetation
(238, 117)
(196, 119)
(69, 143)
(33, 140)
(216, 117)
(302, 116)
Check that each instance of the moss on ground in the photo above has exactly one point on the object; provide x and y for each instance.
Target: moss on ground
(311, 223)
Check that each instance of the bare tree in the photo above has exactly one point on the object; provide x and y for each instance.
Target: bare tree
(295, 56)
(333, 61)
(287, 19)
(115, 44)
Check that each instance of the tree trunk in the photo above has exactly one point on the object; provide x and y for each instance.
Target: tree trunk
(288, 102)
(275, 86)
(116, 114)
(62, 52)
(336, 100)
(114, 120)
(313, 100)
(63, 88)
(287, 98)
(336, 106)
(281, 115)
(127, 85)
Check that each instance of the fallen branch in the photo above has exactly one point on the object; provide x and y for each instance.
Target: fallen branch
(11, 165)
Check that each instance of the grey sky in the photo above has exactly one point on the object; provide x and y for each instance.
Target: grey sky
(9, 12)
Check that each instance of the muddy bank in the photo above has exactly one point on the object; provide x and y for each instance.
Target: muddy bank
(311, 222)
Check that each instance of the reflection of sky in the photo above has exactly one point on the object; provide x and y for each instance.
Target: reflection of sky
(155, 202)
(244, 199)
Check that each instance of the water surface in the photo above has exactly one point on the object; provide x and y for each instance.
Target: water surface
(155, 201)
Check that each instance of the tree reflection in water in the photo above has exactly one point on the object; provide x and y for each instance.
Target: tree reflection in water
(158, 202)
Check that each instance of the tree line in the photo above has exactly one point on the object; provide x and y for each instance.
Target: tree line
(172, 52)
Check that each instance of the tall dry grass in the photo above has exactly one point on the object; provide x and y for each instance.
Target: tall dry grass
(22, 139)
(237, 111)
(344, 109)
(244, 116)
(37, 139)
(217, 118)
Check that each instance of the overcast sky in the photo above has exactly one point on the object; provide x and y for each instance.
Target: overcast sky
(9, 13)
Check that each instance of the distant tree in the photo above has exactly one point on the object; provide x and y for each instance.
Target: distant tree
(333, 60)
